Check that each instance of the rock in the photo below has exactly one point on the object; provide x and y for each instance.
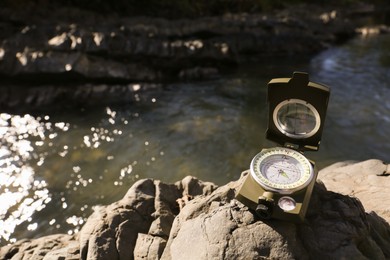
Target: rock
(34, 98)
(39, 47)
(222, 228)
(141, 49)
(368, 181)
(71, 46)
(148, 208)
(149, 247)
(192, 219)
(59, 246)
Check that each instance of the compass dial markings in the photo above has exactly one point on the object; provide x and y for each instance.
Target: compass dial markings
(281, 169)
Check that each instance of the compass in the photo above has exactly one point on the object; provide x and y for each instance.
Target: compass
(281, 179)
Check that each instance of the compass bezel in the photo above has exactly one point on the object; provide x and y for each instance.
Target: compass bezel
(306, 177)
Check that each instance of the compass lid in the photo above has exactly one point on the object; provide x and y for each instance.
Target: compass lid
(297, 110)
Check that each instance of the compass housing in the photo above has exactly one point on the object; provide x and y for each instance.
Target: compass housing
(297, 110)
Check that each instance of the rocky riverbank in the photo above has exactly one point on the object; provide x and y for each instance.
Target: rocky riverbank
(78, 46)
(79, 55)
(192, 219)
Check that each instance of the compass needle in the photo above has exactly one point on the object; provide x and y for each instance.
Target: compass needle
(284, 174)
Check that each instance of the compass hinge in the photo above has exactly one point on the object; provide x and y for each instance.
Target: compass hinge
(291, 146)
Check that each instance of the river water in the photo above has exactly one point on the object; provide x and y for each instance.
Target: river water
(57, 165)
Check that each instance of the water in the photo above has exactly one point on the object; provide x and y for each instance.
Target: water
(57, 165)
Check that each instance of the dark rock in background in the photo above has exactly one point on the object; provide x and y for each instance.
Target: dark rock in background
(77, 46)
(192, 219)
(74, 49)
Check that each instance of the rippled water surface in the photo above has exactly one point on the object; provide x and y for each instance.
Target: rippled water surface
(57, 165)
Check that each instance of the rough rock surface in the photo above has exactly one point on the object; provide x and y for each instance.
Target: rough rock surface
(196, 220)
(58, 246)
(368, 181)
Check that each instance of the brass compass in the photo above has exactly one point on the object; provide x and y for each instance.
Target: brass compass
(281, 179)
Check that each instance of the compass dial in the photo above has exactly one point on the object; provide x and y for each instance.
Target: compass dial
(281, 169)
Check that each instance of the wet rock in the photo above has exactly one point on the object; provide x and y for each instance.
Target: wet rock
(192, 219)
(198, 73)
(20, 98)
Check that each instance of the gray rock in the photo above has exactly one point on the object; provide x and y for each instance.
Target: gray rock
(148, 208)
(149, 247)
(219, 227)
(59, 246)
(368, 181)
(192, 219)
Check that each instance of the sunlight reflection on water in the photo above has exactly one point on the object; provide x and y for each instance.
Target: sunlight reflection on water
(24, 192)
(21, 194)
(45, 168)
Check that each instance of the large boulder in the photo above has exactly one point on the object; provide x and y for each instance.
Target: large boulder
(368, 181)
(192, 219)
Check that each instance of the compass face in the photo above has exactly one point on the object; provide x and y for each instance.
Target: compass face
(296, 118)
(281, 169)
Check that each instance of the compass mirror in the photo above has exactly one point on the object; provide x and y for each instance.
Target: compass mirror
(296, 118)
